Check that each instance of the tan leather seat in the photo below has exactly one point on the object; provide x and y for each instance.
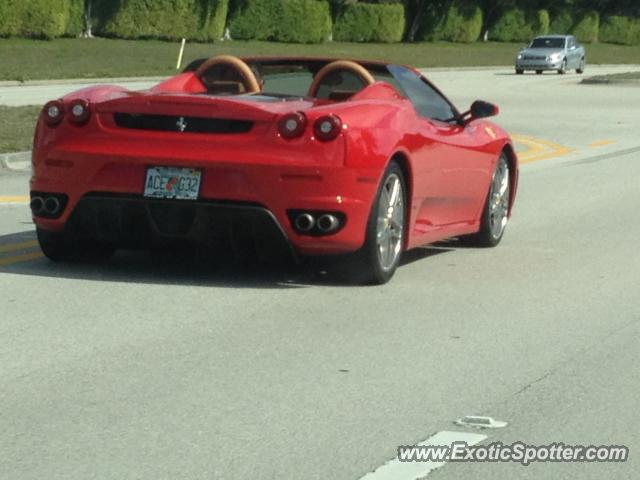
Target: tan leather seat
(330, 71)
(226, 74)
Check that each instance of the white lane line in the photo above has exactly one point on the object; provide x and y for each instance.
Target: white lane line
(394, 469)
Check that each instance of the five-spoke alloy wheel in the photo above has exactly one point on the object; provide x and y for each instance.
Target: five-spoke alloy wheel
(384, 242)
(496, 210)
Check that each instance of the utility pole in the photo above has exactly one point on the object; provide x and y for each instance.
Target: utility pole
(87, 19)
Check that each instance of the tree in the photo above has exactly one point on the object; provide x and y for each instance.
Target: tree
(88, 9)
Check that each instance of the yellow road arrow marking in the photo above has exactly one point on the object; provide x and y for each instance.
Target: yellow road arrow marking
(539, 149)
(601, 143)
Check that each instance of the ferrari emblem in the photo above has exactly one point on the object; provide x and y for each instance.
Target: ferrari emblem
(181, 124)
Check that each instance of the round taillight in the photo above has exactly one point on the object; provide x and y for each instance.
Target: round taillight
(292, 125)
(53, 112)
(79, 111)
(327, 128)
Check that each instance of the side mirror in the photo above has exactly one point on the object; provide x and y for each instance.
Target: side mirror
(481, 109)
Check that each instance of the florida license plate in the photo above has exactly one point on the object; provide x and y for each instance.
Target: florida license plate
(172, 182)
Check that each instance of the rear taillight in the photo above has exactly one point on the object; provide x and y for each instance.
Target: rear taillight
(53, 112)
(79, 111)
(327, 128)
(292, 125)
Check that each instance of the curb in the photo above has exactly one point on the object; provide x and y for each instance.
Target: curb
(464, 69)
(19, 161)
(73, 81)
(610, 81)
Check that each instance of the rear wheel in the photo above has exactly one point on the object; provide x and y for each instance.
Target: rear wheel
(378, 259)
(519, 71)
(57, 247)
(496, 208)
(538, 72)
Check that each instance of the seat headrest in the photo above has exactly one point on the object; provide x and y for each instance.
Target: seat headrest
(341, 95)
(222, 87)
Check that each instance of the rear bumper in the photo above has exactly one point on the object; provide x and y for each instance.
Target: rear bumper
(137, 222)
(105, 200)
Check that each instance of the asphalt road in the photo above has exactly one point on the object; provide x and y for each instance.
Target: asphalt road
(168, 367)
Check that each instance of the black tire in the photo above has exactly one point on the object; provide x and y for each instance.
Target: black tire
(563, 68)
(580, 69)
(519, 71)
(538, 72)
(57, 247)
(367, 266)
(487, 236)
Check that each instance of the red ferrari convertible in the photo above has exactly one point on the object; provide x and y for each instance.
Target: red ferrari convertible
(317, 156)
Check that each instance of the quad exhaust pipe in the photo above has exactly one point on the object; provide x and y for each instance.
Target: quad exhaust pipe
(52, 206)
(37, 205)
(305, 222)
(46, 205)
(328, 223)
(316, 223)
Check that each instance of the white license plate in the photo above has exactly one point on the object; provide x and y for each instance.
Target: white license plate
(172, 182)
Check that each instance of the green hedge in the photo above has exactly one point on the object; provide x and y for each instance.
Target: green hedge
(587, 28)
(76, 23)
(366, 22)
(561, 23)
(202, 20)
(510, 27)
(635, 32)
(296, 21)
(621, 30)
(41, 18)
(540, 22)
(459, 23)
(517, 26)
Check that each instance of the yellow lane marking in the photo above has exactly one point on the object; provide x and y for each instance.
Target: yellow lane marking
(539, 149)
(532, 147)
(15, 199)
(601, 143)
(12, 247)
(20, 258)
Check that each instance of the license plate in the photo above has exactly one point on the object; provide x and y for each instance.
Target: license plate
(172, 182)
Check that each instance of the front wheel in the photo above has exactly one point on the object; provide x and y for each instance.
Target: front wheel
(496, 209)
(580, 68)
(519, 71)
(378, 259)
(563, 68)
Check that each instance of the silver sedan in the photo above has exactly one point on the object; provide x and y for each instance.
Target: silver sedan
(552, 52)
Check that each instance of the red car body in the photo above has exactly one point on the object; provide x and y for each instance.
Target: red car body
(448, 165)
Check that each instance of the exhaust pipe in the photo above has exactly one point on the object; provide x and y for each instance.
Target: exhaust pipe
(37, 205)
(305, 222)
(328, 223)
(52, 205)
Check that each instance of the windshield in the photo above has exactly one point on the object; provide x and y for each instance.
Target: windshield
(547, 43)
